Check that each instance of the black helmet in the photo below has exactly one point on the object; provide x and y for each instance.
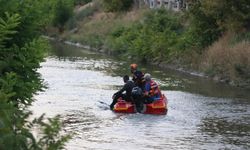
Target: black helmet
(136, 91)
(125, 78)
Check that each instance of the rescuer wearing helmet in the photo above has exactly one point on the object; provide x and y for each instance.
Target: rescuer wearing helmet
(137, 75)
(151, 89)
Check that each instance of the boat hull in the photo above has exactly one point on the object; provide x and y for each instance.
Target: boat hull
(158, 107)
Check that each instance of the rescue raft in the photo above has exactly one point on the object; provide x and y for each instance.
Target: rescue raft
(158, 107)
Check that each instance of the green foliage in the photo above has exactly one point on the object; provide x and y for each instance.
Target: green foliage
(88, 11)
(21, 51)
(120, 39)
(229, 14)
(82, 15)
(94, 41)
(155, 37)
(245, 36)
(204, 29)
(81, 2)
(32, 18)
(51, 139)
(63, 12)
(24, 62)
(209, 19)
(20, 136)
(6, 27)
(117, 5)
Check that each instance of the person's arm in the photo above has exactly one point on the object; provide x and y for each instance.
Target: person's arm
(122, 90)
(147, 89)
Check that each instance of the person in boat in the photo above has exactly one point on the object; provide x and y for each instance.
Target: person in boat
(137, 95)
(151, 90)
(137, 76)
(128, 86)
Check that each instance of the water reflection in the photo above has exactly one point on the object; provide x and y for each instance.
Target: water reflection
(226, 131)
(197, 117)
(168, 79)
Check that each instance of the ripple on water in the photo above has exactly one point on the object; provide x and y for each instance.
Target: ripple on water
(194, 121)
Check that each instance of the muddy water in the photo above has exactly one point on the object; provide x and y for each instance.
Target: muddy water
(202, 114)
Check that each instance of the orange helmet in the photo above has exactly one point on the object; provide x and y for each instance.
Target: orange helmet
(133, 66)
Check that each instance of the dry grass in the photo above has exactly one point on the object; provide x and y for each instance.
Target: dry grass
(96, 27)
(226, 60)
(107, 20)
(79, 8)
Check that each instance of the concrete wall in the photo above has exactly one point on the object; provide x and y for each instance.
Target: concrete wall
(175, 5)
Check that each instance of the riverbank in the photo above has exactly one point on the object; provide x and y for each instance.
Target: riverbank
(161, 38)
(160, 65)
(202, 114)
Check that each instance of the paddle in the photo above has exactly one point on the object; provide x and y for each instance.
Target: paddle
(103, 103)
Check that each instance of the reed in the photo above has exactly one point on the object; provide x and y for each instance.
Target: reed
(229, 62)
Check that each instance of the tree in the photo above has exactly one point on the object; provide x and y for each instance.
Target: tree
(63, 12)
(21, 51)
(211, 19)
(230, 14)
(81, 2)
(117, 5)
(203, 29)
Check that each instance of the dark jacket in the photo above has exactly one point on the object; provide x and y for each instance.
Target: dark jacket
(128, 86)
(137, 78)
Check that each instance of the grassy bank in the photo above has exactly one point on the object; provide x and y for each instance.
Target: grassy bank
(228, 59)
(191, 40)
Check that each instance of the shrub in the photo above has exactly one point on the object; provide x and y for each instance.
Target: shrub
(21, 51)
(81, 2)
(63, 12)
(203, 29)
(154, 37)
(88, 11)
(117, 5)
(228, 61)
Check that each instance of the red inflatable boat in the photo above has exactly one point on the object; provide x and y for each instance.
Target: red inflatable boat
(158, 107)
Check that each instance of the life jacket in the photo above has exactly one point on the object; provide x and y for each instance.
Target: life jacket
(154, 89)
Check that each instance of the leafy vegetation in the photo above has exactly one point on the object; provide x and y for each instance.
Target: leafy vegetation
(155, 37)
(21, 51)
(164, 36)
(81, 2)
(183, 38)
(226, 42)
(63, 12)
(117, 5)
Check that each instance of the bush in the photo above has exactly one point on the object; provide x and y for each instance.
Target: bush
(117, 5)
(81, 2)
(230, 62)
(88, 11)
(203, 30)
(21, 51)
(155, 37)
(241, 37)
(63, 12)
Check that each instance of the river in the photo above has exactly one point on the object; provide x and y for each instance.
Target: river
(202, 114)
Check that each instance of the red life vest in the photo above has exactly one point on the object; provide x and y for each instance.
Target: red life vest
(154, 89)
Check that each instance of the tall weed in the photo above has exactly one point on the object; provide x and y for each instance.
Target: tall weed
(229, 62)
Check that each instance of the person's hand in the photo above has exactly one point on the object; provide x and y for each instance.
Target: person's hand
(111, 107)
(114, 96)
(145, 94)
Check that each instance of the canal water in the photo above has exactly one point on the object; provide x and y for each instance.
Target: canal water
(202, 114)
